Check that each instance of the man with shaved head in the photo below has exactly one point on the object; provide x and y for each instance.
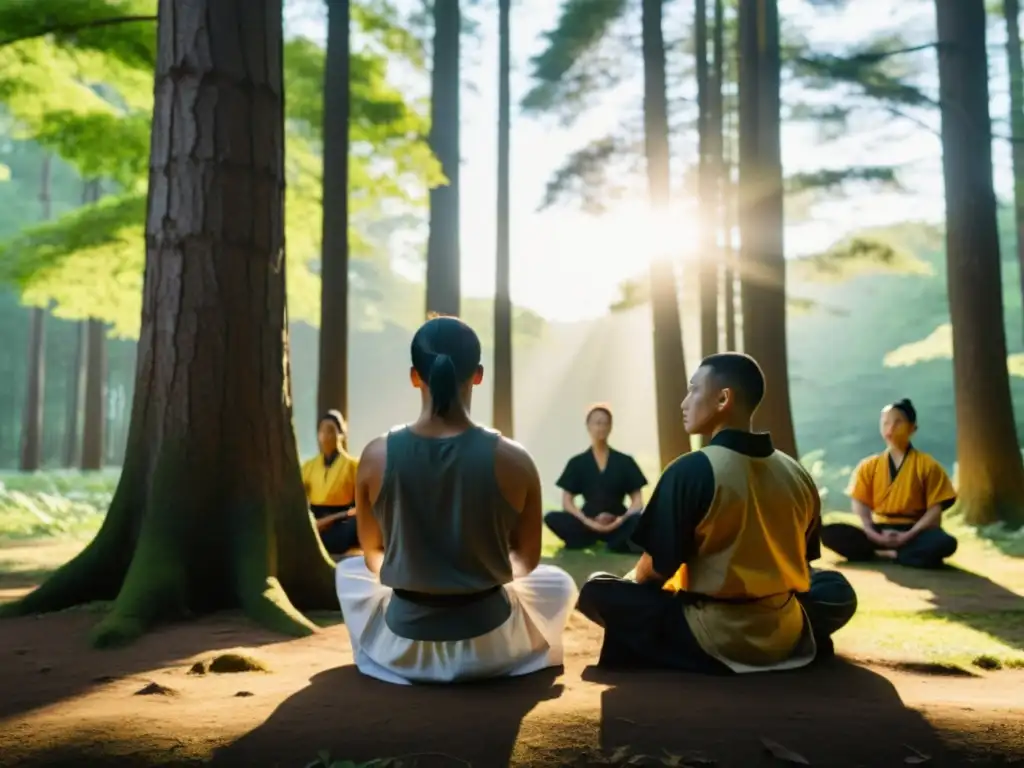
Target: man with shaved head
(724, 584)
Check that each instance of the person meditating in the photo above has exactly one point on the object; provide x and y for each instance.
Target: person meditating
(330, 482)
(899, 495)
(603, 477)
(449, 517)
(724, 583)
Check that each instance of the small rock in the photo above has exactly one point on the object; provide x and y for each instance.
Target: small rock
(243, 694)
(156, 689)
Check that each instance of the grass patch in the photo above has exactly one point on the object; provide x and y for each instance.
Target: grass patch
(62, 503)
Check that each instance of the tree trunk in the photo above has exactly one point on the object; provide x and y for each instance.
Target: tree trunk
(32, 417)
(94, 425)
(332, 390)
(669, 365)
(761, 216)
(210, 512)
(716, 149)
(503, 412)
(76, 385)
(1011, 12)
(991, 472)
(443, 260)
(707, 207)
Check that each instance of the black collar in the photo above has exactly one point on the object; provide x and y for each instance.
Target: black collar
(328, 460)
(757, 445)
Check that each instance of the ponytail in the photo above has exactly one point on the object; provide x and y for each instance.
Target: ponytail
(443, 384)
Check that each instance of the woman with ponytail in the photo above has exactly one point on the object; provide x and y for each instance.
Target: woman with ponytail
(899, 496)
(449, 519)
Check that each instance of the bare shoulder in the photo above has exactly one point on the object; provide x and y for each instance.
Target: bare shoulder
(374, 455)
(513, 458)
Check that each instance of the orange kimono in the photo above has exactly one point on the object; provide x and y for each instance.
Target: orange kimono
(919, 484)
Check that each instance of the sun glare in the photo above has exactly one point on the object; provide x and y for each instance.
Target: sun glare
(633, 235)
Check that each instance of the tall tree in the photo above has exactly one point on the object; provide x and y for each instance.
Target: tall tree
(332, 390)
(707, 184)
(1011, 13)
(95, 421)
(76, 394)
(32, 419)
(443, 255)
(204, 516)
(763, 281)
(503, 411)
(669, 364)
(716, 111)
(991, 472)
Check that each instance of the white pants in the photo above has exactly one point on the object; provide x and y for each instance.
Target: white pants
(528, 641)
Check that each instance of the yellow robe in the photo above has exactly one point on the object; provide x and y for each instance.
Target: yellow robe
(333, 486)
(920, 484)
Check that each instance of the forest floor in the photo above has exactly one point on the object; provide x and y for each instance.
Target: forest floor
(931, 673)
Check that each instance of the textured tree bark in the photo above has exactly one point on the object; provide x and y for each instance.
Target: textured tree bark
(210, 511)
(443, 254)
(991, 472)
(761, 216)
(94, 424)
(332, 390)
(1011, 13)
(503, 410)
(669, 364)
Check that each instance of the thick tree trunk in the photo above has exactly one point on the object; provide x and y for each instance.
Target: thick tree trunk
(32, 416)
(210, 511)
(95, 422)
(76, 387)
(991, 472)
(332, 390)
(761, 216)
(443, 259)
(1011, 12)
(669, 365)
(707, 205)
(503, 412)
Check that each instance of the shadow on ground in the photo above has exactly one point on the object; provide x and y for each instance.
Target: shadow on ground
(833, 714)
(353, 717)
(962, 596)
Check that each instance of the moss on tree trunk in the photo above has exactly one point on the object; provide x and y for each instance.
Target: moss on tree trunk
(210, 512)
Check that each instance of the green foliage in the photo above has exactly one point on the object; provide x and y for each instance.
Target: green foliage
(569, 69)
(87, 104)
(830, 179)
(53, 503)
(859, 255)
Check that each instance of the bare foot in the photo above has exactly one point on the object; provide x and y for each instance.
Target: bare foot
(886, 554)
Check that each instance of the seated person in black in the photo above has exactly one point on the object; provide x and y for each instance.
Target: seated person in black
(603, 477)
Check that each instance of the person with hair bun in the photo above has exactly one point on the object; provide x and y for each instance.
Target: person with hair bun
(330, 482)
(899, 495)
(603, 477)
(449, 587)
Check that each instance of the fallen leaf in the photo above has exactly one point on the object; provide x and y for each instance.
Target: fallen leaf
(785, 754)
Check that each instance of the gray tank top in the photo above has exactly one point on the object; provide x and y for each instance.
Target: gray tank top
(446, 530)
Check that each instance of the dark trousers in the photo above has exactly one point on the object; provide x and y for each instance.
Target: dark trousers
(926, 550)
(340, 536)
(575, 535)
(644, 626)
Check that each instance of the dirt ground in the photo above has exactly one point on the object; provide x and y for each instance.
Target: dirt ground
(62, 703)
